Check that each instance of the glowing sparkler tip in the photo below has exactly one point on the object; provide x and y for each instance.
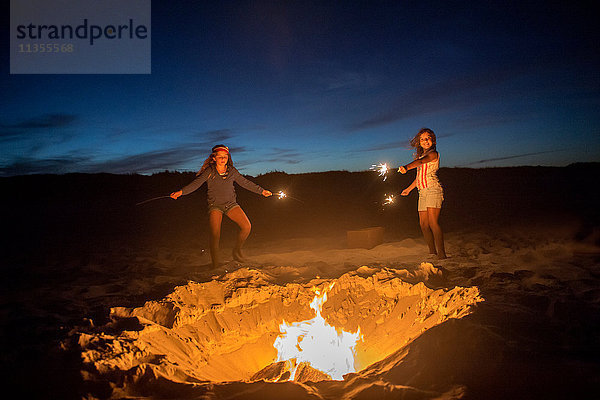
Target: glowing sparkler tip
(389, 199)
(382, 169)
(281, 194)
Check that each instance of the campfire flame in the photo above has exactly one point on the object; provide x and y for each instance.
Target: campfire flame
(314, 341)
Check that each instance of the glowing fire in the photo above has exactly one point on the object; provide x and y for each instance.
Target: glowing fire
(281, 194)
(316, 342)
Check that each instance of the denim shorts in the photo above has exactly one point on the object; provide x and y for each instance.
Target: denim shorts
(222, 208)
(431, 197)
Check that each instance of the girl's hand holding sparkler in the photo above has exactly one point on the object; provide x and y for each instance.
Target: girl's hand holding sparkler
(409, 189)
(266, 193)
(402, 169)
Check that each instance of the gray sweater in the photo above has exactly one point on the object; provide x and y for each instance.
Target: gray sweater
(220, 188)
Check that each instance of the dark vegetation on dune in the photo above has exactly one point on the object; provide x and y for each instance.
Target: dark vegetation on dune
(43, 213)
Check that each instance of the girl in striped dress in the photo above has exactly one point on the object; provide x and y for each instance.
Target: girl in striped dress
(431, 194)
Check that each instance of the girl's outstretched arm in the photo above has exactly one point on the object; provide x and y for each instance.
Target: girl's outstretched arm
(248, 184)
(406, 191)
(427, 158)
(195, 184)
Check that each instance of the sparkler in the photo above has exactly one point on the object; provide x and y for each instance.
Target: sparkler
(281, 195)
(383, 169)
(389, 199)
(152, 199)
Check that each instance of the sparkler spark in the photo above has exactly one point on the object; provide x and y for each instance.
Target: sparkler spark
(382, 169)
(389, 199)
(281, 195)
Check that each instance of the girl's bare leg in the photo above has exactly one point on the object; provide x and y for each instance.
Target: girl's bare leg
(214, 219)
(433, 215)
(426, 229)
(238, 216)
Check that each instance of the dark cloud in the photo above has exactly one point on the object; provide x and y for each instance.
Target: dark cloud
(488, 160)
(285, 156)
(272, 156)
(218, 136)
(337, 79)
(175, 158)
(157, 160)
(456, 93)
(47, 121)
(58, 165)
(160, 160)
(36, 125)
(401, 144)
(149, 162)
(486, 120)
(43, 122)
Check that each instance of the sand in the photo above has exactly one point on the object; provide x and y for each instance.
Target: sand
(137, 312)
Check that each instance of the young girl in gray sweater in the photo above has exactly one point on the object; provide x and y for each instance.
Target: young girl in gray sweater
(219, 174)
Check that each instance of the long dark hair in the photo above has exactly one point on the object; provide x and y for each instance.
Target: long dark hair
(210, 160)
(416, 143)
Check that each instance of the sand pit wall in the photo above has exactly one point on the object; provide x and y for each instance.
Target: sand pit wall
(223, 330)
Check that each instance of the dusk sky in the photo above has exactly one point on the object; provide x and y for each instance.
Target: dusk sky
(309, 86)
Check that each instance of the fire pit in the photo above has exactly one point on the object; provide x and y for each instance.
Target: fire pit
(244, 327)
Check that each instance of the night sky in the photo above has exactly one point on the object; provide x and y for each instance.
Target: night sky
(316, 86)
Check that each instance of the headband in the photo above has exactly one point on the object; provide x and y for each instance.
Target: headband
(221, 148)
